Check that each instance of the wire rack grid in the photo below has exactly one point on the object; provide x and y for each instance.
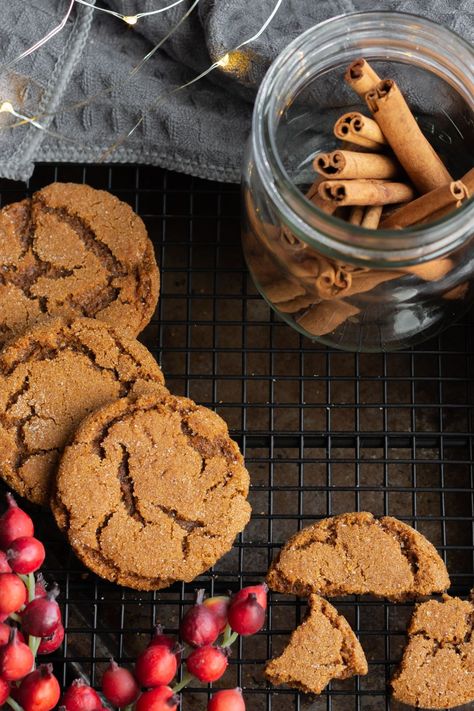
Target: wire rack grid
(322, 431)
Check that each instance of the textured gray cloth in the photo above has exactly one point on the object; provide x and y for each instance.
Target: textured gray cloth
(80, 86)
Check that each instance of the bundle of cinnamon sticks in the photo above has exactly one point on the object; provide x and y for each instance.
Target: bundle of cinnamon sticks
(384, 162)
(385, 175)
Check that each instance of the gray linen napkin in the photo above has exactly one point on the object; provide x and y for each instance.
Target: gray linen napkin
(81, 88)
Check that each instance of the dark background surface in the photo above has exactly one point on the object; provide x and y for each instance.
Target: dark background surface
(322, 431)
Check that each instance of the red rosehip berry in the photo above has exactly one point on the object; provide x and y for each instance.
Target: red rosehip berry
(227, 700)
(160, 638)
(119, 685)
(207, 663)
(81, 697)
(16, 658)
(42, 615)
(246, 616)
(12, 593)
(26, 554)
(156, 666)
(4, 691)
(219, 607)
(199, 625)
(14, 523)
(4, 564)
(39, 691)
(160, 699)
(261, 591)
(5, 631)
(52, 643)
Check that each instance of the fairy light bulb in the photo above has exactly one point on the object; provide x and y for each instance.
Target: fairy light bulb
(6, 107)
(224, 61)
(130, 19)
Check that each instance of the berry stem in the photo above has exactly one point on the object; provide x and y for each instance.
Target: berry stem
(229, 637)
(33, 644)
(199, 596)
(31, 586)
(187, 679)
(15, 617)
(11, 702)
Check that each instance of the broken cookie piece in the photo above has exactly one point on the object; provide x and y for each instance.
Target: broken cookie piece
(151, 490)
(322, 648)
(437, 669)
(357, 554)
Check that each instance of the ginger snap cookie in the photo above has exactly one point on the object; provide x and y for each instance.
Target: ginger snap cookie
(437, 669)
(322, 648)
(51, 377)
(151, 490)
(357, 554)
(73, 251)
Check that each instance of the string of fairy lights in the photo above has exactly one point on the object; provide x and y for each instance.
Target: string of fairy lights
(224, 61)
(7, 106)
(130, 19)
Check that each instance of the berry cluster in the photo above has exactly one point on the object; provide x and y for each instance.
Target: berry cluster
(30, 618)
(201, 627)
(30, 624)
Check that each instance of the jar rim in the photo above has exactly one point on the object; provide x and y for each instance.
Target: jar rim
(329, 233)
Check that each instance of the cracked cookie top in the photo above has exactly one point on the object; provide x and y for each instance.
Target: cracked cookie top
(151, 490)
(73, 251)
(51, 377)
(322, 648)
(437, 669)
(356, 554)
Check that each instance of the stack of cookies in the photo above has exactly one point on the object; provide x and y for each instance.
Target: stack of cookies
(357, 554)
(148, 486)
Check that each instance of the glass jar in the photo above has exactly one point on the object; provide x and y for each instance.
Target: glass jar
(344, 285)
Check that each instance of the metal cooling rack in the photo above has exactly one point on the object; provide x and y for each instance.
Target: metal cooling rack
(323, 432)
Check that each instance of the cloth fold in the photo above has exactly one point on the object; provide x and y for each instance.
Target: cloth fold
(83, 89)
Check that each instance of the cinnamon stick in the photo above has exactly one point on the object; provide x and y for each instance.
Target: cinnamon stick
(364, 192)
(366, 281)
(372, 217)
(459, 292)
(331, 281)
(361, 77)
(281, 290)
(313, 195)
(439, 214)
(368, 217)
(313, 188)
(350, 164)
(296, 304)
(356, 215)
(351, 268)
(432, 271)
(427, 206)
(325, 317)
(402, 132)
(291, 240)
(468, 181)
(361, 130)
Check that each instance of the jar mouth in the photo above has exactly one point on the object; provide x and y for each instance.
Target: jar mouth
(365, 37)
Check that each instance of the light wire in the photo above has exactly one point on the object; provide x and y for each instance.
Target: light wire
(130, 19)
(223, 61)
